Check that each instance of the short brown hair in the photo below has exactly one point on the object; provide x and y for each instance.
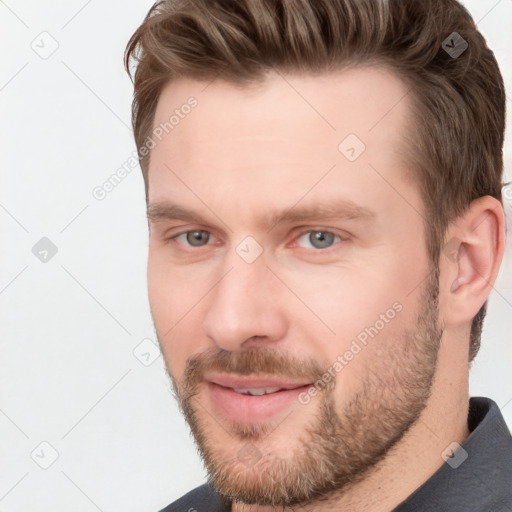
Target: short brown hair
(458, 101)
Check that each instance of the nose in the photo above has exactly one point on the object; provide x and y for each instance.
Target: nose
(245, 307)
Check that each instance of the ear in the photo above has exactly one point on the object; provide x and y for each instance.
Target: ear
(470, 260)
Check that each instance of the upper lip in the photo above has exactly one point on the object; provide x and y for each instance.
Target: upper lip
(241, 382)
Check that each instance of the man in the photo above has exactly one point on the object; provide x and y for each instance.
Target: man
(323, 183)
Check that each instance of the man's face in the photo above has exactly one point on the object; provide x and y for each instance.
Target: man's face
(302, 262)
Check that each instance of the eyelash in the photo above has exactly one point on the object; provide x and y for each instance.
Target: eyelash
(298, 236)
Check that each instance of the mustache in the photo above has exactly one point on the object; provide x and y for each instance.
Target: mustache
(254, 360)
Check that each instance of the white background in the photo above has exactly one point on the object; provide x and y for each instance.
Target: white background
(69, 327)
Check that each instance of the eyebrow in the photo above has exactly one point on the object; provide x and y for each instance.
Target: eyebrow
(329, 209)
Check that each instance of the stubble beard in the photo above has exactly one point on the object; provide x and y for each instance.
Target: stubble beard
(335, 451)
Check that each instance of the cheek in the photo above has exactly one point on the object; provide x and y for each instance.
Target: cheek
(368, 318)
(170, 330)
(346, 299)
(175, 301)
(363, 310)
(159, 282)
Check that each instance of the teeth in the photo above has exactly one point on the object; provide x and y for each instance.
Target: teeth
(257, 391)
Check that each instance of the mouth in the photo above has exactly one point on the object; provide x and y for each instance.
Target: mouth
(257, 391)
(245, 383)
(252, 400)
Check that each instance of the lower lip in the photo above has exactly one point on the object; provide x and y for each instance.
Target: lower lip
(248, 408)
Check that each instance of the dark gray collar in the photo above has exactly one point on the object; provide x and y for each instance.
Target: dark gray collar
(479, 475)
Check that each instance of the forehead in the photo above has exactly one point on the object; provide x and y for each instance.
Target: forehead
(289, 125)
(353, 92)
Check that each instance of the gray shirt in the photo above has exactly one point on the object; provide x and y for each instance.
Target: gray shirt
(477, 478)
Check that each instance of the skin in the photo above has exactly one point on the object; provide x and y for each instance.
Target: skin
(379, 429)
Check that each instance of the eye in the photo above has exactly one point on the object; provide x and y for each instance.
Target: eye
(318, 239)
(195, 238)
